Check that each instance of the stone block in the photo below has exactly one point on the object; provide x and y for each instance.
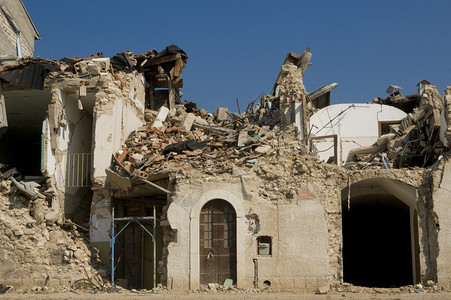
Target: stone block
(160, 117)
(221, 113)
(188, 121)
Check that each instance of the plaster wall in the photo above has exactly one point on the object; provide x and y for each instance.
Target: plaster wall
(356, 125)
(116, 114)
(73, 136)
(299, 257)
(299, 238)
(442, 198)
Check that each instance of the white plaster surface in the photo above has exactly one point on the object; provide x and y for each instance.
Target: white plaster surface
(100, 228)
(442, 200)
(356, 125)
(299, 233)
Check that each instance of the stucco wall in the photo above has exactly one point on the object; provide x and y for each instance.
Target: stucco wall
(299, 238)
(117, 112)
(342, 120)
(442, 201)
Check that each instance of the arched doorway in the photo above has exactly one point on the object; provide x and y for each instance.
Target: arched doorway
(379, 236)
(217, 242)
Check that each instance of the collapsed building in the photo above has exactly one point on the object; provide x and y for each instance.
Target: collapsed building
(294, 193)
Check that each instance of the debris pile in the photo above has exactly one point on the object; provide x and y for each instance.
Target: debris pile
(193, 140)
(36, 251)
(415, 141)
(429, 287)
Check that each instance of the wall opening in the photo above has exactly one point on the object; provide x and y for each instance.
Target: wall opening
(379, 237)
(134, 248)
(264, 245)
(21, 141)
(217, 242)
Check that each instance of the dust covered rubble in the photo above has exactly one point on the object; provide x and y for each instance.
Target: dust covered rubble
(415, 141)
(40, 255)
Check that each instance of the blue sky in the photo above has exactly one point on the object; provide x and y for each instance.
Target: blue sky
(236, 48)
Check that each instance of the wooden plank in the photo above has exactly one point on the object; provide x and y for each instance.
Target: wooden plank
(178, 68)
(162, 83)
(304, 118)
(304, 61)
(172, 92)
(156, 186)
(164, 59)
(322, 90)
(3, 117)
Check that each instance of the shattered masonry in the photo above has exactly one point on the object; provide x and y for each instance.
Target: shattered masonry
(290, 178)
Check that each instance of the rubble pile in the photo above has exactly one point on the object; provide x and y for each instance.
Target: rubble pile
(429, 287)
(413, 142)
(194, 140)
(36, 253)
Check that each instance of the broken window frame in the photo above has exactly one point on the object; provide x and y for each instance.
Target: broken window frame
(335, 137)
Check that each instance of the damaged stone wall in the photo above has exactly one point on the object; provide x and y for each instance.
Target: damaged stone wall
(439, 222)
(267, 174)
(36, 253)
(292, 91)
(287, 191)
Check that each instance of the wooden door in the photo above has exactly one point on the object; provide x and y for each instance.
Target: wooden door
(217, 242)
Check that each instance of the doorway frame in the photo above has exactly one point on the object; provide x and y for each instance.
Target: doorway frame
(194, 274)
(407, 194)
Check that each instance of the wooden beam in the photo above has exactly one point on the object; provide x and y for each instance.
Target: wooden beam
(304, 61)
(156, 186)
(178, 68)
(164, 59)
(172, 91)
(304, 118)
(163, 83)
(322, 90)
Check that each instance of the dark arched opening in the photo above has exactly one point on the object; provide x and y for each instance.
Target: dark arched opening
(377, 248)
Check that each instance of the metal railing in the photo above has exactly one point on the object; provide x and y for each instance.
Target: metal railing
(78, 170)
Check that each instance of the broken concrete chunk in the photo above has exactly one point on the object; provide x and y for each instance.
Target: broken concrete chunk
(117, 181)
(51, 218)
(221, 113)
(137, 157)
(161, 117)
(201, 121)
(188, 121)
(244, 139)
(263, 149)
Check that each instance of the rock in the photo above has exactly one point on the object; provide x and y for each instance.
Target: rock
(430, 283)
(263, 149)
(79, 254)
(212, 287)
(161, 117)
(323, 289)
(221, 113)
(51, 218)
(18, 232)
(188, 121)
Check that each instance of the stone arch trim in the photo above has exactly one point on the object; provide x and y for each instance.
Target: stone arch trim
(404, 191)
(194, 234)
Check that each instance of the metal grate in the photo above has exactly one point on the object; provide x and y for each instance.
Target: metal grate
(78, 171)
